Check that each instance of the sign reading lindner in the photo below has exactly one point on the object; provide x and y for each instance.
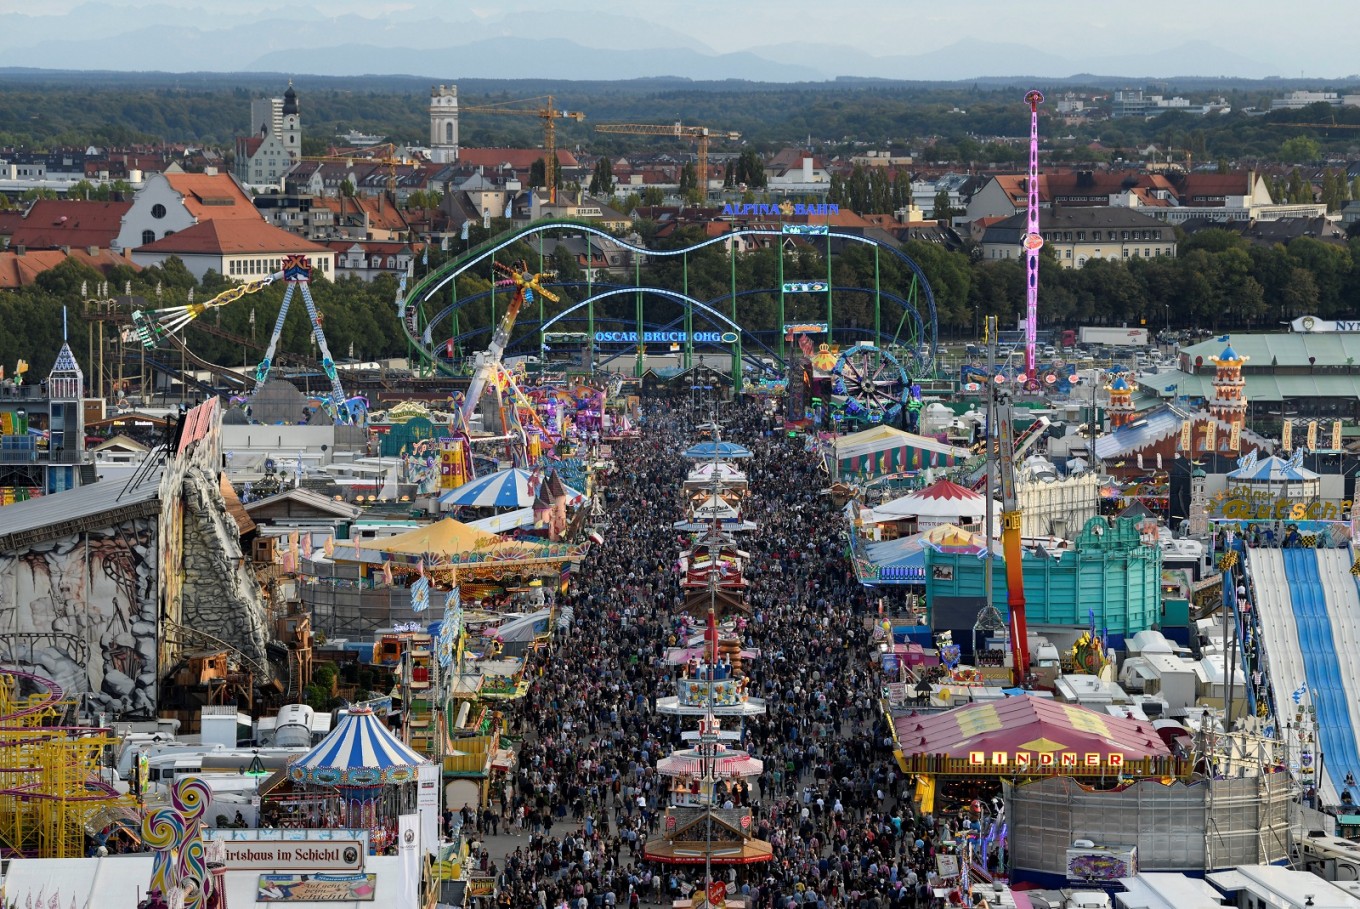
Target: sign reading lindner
(295, 855)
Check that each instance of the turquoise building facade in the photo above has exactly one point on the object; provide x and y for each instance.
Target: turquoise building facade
(1108, 570)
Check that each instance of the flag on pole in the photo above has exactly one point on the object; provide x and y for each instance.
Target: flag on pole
(355, 537)
(464, 234)
(387, 572)
(329, 547)
(425, 256)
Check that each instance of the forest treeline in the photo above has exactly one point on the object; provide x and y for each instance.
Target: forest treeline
(1218, 281)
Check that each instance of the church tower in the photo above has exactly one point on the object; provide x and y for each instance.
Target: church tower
(444, 124)
(291, 132)
(1121, 403)
(1229, 403)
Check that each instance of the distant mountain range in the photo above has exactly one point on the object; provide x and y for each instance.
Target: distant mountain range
(168, 38)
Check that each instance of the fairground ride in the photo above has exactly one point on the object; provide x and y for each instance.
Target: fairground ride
(155, 326)
(51, 791)
(422, 311)
(1033, 240)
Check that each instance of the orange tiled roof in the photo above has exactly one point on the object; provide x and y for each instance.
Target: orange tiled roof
(214, 197)
(21, 270)
(216, 237)
(53, 223)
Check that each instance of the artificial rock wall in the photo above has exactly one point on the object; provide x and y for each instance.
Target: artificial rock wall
(220, 594)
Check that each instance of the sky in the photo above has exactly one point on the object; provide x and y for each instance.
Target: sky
(807, 38)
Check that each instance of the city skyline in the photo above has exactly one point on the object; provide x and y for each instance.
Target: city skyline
(794, 40)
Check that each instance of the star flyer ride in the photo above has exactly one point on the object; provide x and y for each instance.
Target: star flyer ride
(153, 326)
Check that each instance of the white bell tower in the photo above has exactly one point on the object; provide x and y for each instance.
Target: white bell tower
(444, 123)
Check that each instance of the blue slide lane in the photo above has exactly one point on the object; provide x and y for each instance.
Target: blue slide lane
(1327, 691)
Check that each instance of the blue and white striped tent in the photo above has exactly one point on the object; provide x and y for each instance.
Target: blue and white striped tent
(507, 488)
(358, 753)
(1272, 470)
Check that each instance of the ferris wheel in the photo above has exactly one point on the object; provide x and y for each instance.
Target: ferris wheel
(870, 383)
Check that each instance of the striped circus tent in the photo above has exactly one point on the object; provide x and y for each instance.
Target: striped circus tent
(359, 753)
(509, 488)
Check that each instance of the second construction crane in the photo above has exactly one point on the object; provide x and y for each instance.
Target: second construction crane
(550, 115)
(701, 133)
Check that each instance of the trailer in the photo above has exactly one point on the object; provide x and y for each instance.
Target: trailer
(1115, 337)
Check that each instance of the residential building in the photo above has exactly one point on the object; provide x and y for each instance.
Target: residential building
(21, 267)
(1282, 231)
(275, 144)
(301, 214)
(795, 171)
(241, 249)
(175, 201)
(1076, 235)
(70, 224)
(367, 260)
(1171, 197)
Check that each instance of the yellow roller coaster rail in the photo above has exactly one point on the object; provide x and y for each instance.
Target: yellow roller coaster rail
(51, 793)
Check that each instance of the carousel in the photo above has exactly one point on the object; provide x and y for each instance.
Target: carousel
(358, 776)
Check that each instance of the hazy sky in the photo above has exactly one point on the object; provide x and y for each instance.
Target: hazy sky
(1301, 37)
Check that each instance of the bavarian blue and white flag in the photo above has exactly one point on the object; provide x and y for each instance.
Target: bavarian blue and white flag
(420, 595)
(1299, 692)
(452, 626)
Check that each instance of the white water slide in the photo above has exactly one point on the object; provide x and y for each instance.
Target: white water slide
(1309, 612)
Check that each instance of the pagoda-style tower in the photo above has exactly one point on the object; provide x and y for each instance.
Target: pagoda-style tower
(1121, 402)
(709, 821)
(1230, 399)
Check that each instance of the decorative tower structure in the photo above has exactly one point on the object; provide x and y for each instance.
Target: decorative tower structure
(709, 821)
(1033, 241)
(1199, 504)
(66, 436)
(444, 124)
(1230, 397)
(291, 132)
(1121, 403)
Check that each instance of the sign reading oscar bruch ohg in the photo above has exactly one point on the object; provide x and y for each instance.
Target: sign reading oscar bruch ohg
(295, 855)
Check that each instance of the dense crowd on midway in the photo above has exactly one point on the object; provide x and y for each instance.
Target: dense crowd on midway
(584, 794)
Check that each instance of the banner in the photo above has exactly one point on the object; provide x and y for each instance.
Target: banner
(1210, 435)
(317, 888)
(308, 856)
(427, 805)
(408, 848)
(1185, 435)
(1336, 435)
(1234, 440)
(1287, 436)
(1312, 435)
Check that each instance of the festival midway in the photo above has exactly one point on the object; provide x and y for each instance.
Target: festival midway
(692, 564)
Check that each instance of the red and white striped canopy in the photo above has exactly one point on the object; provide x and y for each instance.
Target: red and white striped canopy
(690, 761)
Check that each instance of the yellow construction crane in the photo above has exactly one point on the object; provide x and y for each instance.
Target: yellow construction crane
(679, 131)
(549, 114)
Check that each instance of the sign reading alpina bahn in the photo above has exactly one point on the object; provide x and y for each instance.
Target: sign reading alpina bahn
(786, 209)
(295, 855)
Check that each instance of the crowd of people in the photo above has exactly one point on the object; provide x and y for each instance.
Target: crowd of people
(585, 795)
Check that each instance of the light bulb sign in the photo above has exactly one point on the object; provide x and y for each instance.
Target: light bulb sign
(665, 337)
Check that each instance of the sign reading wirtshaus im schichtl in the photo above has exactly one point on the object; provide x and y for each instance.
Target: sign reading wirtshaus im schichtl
(295, 855)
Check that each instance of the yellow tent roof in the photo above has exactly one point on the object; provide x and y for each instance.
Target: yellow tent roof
(872, 434)
(444, 537)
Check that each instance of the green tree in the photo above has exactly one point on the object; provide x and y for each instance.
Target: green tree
(944, 211)
(602, 178)
(538, 174)
(1300, 150)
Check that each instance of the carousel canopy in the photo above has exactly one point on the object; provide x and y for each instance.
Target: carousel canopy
(502, 489)
(726, 451)
(360, 752)
(442, 537)
(941, 499)
(884, 450)
(1029, 725)
(726, 763)
(725, 473)
(509, 488)
(1272, 470)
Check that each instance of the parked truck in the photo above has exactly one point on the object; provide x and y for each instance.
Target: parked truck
(1115, 337)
